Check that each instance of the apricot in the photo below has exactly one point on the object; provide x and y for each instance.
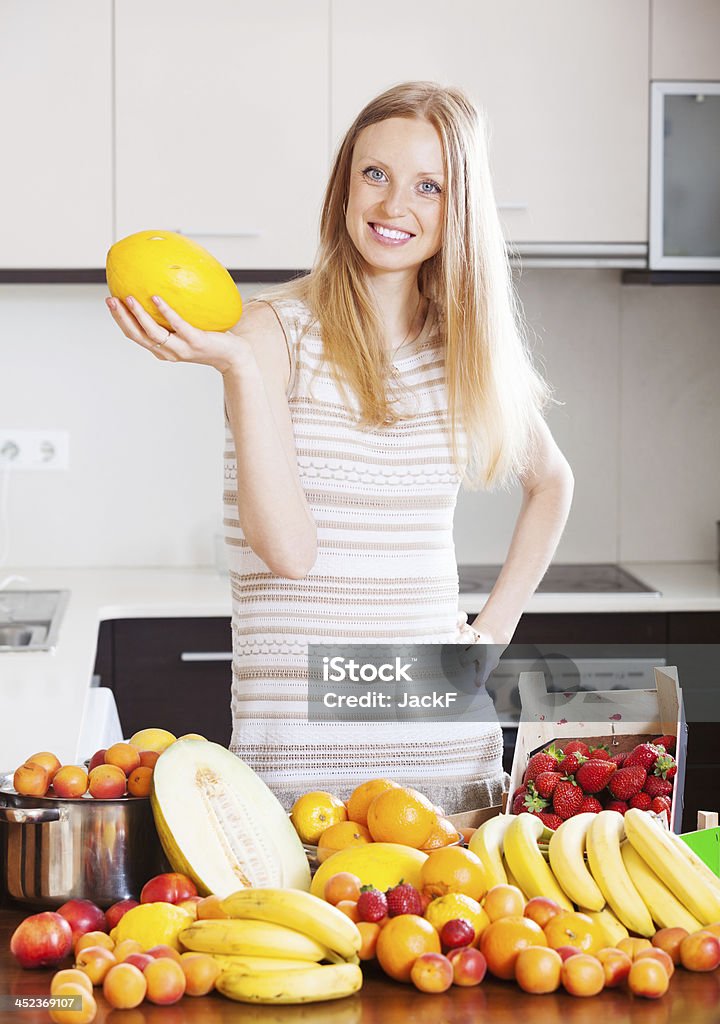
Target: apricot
(469, 966)
(369, 932)
(165, 981)
(201, 972)
(95, 961)
(504, 901)
(537, 970)
(648, 978)
(209, 907)
(70, 782)
(661, 956)
(342, 886)
(73, 976)
(82, 1016)
(163, 952)
(432, 972)
(632, 946)
(669, 939)
(148, 758)
(124, 987)
(123, 949)
(139, 781)
(583, 975)
(107, 782)
(95, 939)
(31, 779)
(97, 758)
(540, 909)
(124, 756)
(191, 905)
(349, 907)
(616, 965)
(700, 951)
(139, 960)
(47, 760)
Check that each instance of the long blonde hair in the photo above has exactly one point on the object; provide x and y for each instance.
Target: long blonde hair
(494, 391)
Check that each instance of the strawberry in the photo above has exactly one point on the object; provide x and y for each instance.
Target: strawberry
(547, 760)
(617, 805)
(546, 782)
(655, 786)
(618, 759)
(642, 801)
(577, 747)
(590, 804)
(567, 798)
(371, 904)
(644, 755)
(666, 766)
(626, 782)
(518, 798)
(660, 804)
(403, 899)
(595, 775)
(599, 753)
(571, 762)
(552, 821)
(665, 741)
(530, 801)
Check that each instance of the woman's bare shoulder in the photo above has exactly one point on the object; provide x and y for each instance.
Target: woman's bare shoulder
(261, 328)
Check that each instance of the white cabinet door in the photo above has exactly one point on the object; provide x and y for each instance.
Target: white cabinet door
(686, 40)
(564, 84)
(222, 125)
(56, 133)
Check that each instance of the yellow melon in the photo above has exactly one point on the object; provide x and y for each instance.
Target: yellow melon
(380, 864)
(181, 272)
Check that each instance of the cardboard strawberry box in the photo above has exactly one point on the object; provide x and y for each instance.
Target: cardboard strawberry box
(619, 719)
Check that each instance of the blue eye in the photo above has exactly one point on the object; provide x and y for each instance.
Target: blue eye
(434, 188)
(371, 173)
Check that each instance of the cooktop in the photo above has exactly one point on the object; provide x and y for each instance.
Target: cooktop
(596, 578)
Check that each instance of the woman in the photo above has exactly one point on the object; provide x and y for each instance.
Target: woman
(357, 400)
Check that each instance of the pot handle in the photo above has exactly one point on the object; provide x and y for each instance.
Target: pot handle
(32, 815)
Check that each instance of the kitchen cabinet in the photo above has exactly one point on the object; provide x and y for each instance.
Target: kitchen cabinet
(56, 171)
(222, 125)
(684, 40)
(565, 88)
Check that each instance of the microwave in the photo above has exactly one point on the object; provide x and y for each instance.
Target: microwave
(684, 227)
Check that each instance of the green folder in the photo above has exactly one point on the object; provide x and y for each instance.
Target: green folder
(706, 844)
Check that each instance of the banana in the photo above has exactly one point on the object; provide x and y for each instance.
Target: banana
(256, 964)
(486, 843)
(667, 911)
(567, 860)
(301, 911)
(679, 874)
(708, 874)
(609, 871)
(612, 929)
(250, 938)
(330, 981)
(511, 879)
(527, 862)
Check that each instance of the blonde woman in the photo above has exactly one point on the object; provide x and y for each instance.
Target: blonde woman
(358, 398)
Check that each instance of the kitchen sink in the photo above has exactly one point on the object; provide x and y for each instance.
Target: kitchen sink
(30, 619)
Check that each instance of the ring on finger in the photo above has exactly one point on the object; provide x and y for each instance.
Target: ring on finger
(159, 343)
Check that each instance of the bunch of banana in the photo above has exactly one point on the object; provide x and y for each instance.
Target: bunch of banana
(271, 946)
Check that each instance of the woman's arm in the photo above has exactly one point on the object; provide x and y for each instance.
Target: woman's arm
(547, 496)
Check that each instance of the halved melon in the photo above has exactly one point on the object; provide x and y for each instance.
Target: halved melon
(219, 823)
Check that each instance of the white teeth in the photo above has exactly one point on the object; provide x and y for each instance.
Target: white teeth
(389, 233)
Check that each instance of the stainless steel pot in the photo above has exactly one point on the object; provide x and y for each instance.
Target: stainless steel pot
(53, 850)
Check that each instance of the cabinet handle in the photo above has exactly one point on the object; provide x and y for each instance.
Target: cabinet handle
(219, 234)
(513, 206)
(206, 656)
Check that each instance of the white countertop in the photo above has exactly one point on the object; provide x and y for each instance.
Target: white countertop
(46, 697)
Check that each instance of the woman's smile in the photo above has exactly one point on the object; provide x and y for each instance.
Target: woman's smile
(386, 235)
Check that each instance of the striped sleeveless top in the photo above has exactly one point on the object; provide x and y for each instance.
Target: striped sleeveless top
(383, 500)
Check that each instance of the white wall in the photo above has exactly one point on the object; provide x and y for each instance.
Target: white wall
(636, 368)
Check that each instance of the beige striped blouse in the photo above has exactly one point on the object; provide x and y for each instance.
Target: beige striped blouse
(383, 500)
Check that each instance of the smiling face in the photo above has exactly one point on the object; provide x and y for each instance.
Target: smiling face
(396, 203)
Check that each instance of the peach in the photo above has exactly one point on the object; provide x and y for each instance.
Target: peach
(537, 970)
(148, 758)
(165, 981)
(41, 940)
(169, 887)
(31, 779)
(47, 760)
(140, 781)
(81, 1016)
(469, 966)
(369, 932)
(83, 916)
(96, 938)
(210, 907)
(582, 975)
(648, 978)
(349, 907)
(661, 956)
(116, 911)
(201, 972)
(72, 976)
(70, 782)
(124, 987)
(342, 886)
(432, 972)
(123, 949)
(162, 952)
(124, 756)
(139, 960)
(107, 782)
(632, 946)
(540, 909)
(95, 961)
(669, 939)
(616, 965)
(700, 951)
(97, 758)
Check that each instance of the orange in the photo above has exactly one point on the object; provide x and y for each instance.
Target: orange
(363, 795)
(571, 928)
(504, 901)
(502, 940)
(453, 869)
(444, 834)
(340, 836)
(537, 970)
(402, 941)
(315, 812)
(400, 816)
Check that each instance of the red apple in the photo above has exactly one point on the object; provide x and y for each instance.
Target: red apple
(97, 758)
(83, 916)
(42, 940)
(116, 911)
(171, 887)
(469, 965)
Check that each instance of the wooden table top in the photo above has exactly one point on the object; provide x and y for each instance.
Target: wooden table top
(692, 999)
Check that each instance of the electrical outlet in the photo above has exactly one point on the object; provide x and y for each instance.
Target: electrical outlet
(34, 449)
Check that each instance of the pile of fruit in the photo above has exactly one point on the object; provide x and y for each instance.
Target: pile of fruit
(377, 811)
(124, 769)
(561, 782)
